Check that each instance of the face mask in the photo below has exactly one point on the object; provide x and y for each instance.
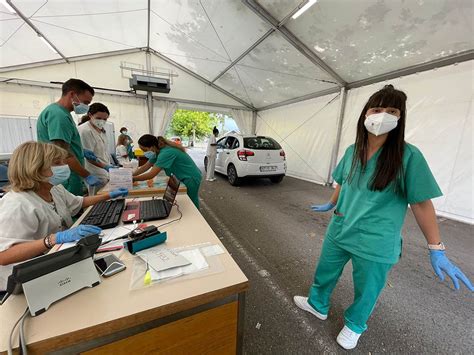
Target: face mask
(98, 123)
(60, 174)
(80, 108)
(380, 123)
(149, 155)
(125, 132)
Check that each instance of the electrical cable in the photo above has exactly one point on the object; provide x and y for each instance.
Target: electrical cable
(22, 340)
(10, 346)
(174, 220)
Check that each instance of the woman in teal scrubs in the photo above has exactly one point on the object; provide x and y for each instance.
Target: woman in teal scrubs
(165, 155)
(376, 179)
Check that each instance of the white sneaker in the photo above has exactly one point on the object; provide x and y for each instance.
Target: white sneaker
(347, 338)
(302, 302)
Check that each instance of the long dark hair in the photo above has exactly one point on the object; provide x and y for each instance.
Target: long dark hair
(389, 166)
(148, 141)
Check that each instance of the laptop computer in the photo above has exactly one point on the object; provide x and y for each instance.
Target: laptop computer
(150, 210)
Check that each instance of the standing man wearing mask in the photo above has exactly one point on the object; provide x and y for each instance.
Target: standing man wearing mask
(93, 138)
(55, 125)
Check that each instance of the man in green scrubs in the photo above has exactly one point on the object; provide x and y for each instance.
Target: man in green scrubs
(56, 125)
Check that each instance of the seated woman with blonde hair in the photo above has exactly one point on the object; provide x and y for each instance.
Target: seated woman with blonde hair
(37, 210)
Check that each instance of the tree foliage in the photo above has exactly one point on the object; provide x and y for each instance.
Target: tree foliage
(184, 121)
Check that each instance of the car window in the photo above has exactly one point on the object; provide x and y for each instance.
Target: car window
(236, 144)
(229, 142)
(264, 143)
(221, 141)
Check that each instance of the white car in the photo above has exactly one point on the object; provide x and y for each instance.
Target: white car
(249, 156)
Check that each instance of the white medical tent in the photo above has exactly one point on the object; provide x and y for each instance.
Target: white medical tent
(300, 80)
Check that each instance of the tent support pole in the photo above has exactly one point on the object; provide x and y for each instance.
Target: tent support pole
(335, 149)
(149, 102)
(254, 122)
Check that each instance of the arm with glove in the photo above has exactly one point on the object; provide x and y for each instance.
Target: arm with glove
(328, 205)
(426, 218)
(92, 200)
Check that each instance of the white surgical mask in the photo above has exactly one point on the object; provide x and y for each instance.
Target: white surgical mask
(380, 123)
(98, 123)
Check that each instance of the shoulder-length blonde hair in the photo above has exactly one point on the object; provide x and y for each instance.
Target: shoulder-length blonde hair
(27, 163)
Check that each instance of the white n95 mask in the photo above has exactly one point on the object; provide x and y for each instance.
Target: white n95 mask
(380, 123)
(98, 123)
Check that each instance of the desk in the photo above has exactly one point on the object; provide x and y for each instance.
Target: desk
(200, 315)
(142, 190)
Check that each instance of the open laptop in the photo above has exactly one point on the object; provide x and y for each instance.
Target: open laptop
(152, 209)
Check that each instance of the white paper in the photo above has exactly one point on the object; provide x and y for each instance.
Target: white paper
(211, 250)
(114, 233)
(120, 178)
(198, 263)
(161, 258)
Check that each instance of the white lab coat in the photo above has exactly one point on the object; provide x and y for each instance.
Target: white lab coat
(120, 151)
(97, 142)
(24, 216)
(211, 157)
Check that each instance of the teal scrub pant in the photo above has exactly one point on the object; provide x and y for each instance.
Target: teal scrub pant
(369, 279)
(192, 185)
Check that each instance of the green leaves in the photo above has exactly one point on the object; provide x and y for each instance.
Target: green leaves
(184, 121)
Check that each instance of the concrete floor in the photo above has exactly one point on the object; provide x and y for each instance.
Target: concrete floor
(276, 240)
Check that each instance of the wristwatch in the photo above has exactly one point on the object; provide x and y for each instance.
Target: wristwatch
(439, 246)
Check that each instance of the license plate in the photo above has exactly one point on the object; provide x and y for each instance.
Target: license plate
(268, 168)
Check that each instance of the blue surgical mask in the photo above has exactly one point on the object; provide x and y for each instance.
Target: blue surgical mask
(60, 174)
(80, 108)
(149, 155)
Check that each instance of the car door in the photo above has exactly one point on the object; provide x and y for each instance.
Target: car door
(220, 154)
(227, 152)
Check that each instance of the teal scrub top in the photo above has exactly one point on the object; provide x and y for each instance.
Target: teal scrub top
(175, 161)
(368, 223)
(55, 123)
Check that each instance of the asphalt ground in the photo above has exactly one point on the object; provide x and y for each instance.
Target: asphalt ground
(276, 240)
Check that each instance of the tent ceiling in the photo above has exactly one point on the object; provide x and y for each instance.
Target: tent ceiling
(230, 43)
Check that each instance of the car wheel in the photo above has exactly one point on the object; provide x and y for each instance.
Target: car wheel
(232, 176)
(277, 179)
(205, 164)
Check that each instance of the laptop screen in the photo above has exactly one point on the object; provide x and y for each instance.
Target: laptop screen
(171, 189)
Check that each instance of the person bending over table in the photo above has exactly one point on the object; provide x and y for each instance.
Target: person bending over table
(36, 213)
(163, 154)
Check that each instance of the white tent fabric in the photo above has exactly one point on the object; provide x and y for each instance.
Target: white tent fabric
(243, 119)
(16, 130)
(163, 112)
(307, 133)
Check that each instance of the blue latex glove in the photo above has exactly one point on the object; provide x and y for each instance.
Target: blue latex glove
(118, 193)
(440, 263)
(92, 180)
(108, 167)
(76, 233)
(323, 208)
(90, 155)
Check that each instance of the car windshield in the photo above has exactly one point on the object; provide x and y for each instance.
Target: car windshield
(264, 143)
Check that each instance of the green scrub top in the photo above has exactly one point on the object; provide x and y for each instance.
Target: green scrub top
(368, 223)
(55, 123)
(175, 161)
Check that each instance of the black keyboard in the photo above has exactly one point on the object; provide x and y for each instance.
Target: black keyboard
(152, 209)
(105, 214)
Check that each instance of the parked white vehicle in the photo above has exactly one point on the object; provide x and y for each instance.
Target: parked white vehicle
(240, 157)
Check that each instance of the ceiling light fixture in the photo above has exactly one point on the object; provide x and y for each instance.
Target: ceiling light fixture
(48, 44)
(8, 6)
(303, 9)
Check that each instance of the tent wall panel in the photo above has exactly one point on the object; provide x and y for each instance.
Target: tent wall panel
(307, 133)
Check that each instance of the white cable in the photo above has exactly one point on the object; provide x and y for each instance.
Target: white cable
(10, 346)
(22, 334)
(108, 267)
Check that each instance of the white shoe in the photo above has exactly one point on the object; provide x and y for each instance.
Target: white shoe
(213, 179)
(302, 302)
(347, 338)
